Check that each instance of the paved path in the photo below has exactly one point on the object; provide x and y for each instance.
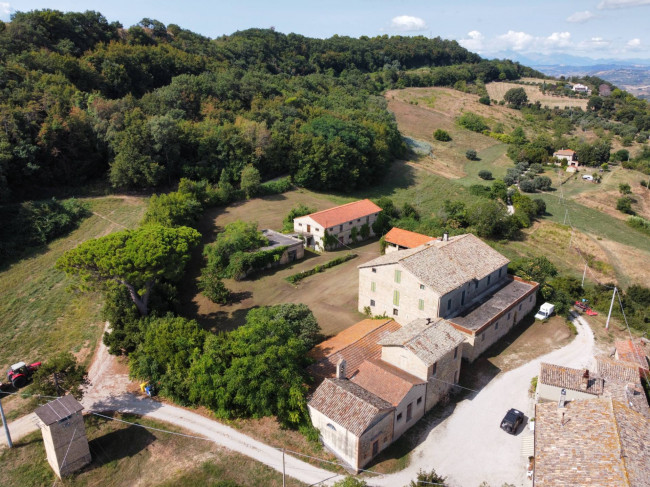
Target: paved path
(468, 447)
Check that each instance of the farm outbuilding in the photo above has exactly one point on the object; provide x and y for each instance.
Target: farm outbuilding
(64, 435)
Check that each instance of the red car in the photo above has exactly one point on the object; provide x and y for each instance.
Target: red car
(591, 312)
(581, 305)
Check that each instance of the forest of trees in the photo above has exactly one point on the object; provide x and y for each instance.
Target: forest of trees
(82, 99)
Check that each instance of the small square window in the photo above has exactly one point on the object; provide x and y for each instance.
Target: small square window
(395, 311)
(300, 224)
(482, 337)
(419, 401)
(520, 307)
(508, 315)
(455, 353)
(372, 302)
(422, 287)
(399, 417)
(434, 368)
(496, 325)
(374, 270)
(340, 228)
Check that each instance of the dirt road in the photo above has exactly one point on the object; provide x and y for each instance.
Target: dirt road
(468, 447)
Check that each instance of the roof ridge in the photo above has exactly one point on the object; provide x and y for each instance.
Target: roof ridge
(620, 442)
(339, 206)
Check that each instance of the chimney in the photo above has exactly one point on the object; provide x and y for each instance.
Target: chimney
(340, 369)
(585, 380)
(562, 402)
(445, 237)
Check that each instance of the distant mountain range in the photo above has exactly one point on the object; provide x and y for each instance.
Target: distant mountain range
(632, 75)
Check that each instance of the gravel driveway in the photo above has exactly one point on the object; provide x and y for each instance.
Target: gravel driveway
(468, 447)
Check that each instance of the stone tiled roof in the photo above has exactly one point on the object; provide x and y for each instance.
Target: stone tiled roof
(345, 213)
(584, 444)
(616, 370)
(568, 378)
(564, 152)
(629, 351)
(407, 239)
(385, 381)
(349, 405)
(354, 344)
(446, 265)
(634, 433)
(428, 340)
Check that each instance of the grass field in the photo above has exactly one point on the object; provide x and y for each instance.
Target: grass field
(38, 316)
(127, 455)
(497, 89)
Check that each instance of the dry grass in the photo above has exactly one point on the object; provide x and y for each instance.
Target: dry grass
(496, 90)
(125, 455)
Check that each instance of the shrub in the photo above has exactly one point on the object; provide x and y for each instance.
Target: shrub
(540, 204)
(485, 100)
(624, 204)
(527, 186)
(639, 223)
(624, 188)
(442, 135)
(485, 174)
(471, 154)
(213, 287)
(319, 268)
(298, 211)
(276, 186)
(60, 374)
(543, 183)
(472, 121)
(174, 209)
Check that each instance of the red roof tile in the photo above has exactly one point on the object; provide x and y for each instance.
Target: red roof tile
(407, 239)
(354, 344)
(385, 381)
(345, 213)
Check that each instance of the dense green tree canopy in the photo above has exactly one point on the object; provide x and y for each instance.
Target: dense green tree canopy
(133, 258)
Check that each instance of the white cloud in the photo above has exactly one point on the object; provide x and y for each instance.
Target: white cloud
(633, 44)
(608, 4)
(557, 40)
(407, 23)
(517, 41)
(580, 17)
(474, 41)
(5, 10)
(594, 43)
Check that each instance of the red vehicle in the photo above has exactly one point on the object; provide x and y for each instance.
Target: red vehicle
(20, 373)
(591, 312)
(581, 305)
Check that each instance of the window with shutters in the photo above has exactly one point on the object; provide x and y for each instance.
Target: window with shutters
(373, 286)
(398, 276)
(420, 304)
(396, 298)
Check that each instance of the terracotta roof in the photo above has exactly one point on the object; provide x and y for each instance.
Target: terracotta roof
(564, 152)
(446, 265)
(349, 405)
(345, 213)
(354, 344)
(385, 381)
(568, 378)
(628, 351)
(407, 239)
(591, 442)
(610, 369)
(428, 340)
(59, 409)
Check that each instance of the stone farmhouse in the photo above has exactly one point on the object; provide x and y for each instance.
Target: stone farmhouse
(398, 239)
(385, 379)
(460, 279)
(568, 155)
(337, 222)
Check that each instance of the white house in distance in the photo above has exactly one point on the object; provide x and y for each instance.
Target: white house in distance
(579, 88)
(461, 279)
(338, 222)
(386, 377)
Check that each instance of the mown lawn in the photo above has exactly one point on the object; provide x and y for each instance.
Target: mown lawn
(39, 317)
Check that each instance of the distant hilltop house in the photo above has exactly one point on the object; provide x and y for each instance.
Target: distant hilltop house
(338, 222)
(460, 279)
(579, 88)
(566, 154)
(379, 379)
(398, 239)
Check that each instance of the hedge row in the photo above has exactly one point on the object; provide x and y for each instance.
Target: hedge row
(243, 263)
(320, 268)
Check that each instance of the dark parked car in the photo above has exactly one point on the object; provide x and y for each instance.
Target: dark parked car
(511, 421)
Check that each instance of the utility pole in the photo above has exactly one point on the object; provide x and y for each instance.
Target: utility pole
(4, 422)
(284, 475)
(610, 309)
(566, 212)
(583, 276)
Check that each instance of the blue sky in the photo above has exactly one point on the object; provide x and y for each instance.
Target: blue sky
(589, 28)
